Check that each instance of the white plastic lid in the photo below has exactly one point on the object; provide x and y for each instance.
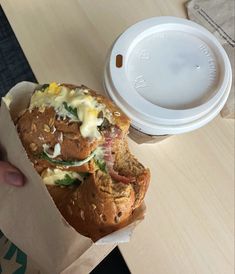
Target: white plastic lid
(169, 75)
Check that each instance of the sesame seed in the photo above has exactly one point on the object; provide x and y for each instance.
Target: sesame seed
(33, 127)
(46, 128)
(116, 113)
(33, 146)
(82, 215)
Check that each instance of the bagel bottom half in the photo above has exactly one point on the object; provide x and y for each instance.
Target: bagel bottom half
(100, 206)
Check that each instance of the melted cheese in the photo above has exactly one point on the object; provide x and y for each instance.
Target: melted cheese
(50, 176)
(85, 105)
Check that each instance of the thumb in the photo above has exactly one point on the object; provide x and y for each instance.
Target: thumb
(10, 175)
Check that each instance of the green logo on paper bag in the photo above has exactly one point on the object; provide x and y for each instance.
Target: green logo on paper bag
(14, 261)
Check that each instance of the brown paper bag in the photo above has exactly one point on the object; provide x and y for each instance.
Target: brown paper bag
(28, 215)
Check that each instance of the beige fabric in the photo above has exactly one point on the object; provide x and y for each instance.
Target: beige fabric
(218, 17)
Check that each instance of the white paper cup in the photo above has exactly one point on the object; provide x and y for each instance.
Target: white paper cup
(169, 75)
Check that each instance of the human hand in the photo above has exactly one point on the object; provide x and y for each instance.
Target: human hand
(10, 175)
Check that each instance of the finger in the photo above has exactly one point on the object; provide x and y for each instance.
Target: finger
(10, 175)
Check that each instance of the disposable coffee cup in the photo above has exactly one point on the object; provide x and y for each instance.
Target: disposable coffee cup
(169, 75)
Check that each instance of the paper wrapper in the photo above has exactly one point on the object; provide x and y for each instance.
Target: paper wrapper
(28, 215)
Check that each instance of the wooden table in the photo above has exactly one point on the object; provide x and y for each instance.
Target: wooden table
(189, 227)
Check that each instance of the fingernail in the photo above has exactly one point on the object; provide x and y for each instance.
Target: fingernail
(14, 178)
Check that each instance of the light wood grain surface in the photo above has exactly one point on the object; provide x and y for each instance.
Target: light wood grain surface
(189, 227)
